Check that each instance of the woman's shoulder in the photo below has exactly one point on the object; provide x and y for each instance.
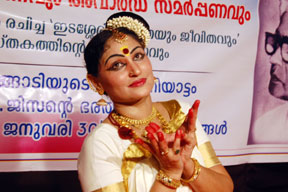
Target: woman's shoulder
(102, 133)
(103, 129)
(104, 139)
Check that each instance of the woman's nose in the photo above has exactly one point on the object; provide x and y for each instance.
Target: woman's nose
(276, 58)
(134, 69)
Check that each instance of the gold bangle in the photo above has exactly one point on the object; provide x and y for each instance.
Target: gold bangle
(167, 181)
(196, 172)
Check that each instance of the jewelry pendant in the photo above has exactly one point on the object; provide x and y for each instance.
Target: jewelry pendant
(125, 133)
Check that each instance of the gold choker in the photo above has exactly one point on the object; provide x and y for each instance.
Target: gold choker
(126, 121)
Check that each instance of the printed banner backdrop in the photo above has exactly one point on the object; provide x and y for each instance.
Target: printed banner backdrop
(199, 50)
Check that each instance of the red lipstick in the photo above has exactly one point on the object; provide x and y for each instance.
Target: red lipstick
(138, 82)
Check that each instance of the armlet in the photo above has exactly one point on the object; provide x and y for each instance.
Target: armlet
(209, 155)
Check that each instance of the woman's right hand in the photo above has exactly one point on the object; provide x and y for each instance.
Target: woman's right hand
(168, 158)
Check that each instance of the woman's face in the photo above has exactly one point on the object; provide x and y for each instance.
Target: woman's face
(125, 71)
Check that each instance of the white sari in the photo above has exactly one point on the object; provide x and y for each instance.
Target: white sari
(106, 162)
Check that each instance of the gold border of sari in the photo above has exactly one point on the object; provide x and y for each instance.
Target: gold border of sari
(116, 187)
(135, 153)
(208, 154)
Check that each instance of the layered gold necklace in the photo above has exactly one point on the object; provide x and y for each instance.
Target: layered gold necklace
(125, 124)
(167, 127)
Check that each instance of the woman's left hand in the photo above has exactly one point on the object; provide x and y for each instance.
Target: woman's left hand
(189, 140)
(186, 133)
(169, 158)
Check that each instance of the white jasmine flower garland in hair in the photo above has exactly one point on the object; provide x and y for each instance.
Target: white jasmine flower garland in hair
(131, 24)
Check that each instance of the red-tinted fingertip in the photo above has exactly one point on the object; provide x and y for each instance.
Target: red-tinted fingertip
(190, 113)
(179, 133)
(139, 141)
(196, 104)
(154, 126)
(149, 129)
(150, 136)
(160, 136)
(182, 135)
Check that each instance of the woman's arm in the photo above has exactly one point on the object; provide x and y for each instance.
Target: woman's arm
(199, 178)
(213, 179)
(170, 162)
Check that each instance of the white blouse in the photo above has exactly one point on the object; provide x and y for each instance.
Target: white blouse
(100, 160)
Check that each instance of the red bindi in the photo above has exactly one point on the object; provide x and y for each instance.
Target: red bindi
(125, 51)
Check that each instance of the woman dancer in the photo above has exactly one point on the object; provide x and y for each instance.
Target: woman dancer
(142, 145)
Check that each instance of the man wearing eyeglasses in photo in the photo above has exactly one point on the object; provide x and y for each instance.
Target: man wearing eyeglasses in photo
(276, 45)
(272, 126)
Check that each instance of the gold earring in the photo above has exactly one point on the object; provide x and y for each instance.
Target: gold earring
(96, 88)
(99, 90)
(155, 79)
(90, 84)
(102, 102)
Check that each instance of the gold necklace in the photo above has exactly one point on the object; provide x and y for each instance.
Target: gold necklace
(124, 124)
(166, 126)
(126, 121)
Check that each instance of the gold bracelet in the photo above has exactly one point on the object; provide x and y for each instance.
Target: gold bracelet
(167, 181)
(197, 169)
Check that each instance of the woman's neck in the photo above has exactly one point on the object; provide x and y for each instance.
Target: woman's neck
(138, 110)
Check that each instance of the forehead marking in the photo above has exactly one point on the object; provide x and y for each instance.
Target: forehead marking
(125, 50)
